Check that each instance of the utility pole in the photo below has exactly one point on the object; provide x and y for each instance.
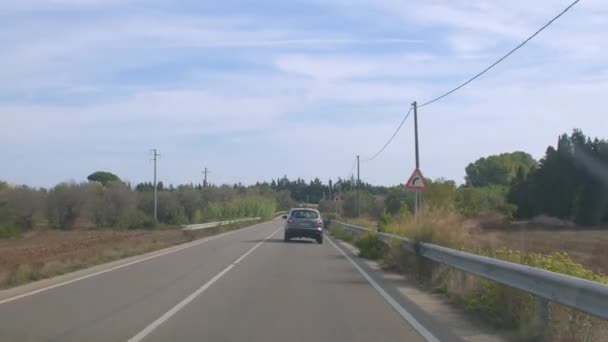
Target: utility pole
(205, 179)
(358, 188)
(418, 202)
(155, 156)
(330, 198)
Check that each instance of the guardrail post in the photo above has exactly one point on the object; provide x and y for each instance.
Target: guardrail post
(542, 314)
(463, 279)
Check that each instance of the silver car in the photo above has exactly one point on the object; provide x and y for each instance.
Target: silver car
(304, 223)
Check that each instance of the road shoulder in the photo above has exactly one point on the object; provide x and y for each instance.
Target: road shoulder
(432, 310)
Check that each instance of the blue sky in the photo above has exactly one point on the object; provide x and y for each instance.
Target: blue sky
(255, 90)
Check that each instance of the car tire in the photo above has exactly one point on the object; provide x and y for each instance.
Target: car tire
(286, 238)
(320, 240)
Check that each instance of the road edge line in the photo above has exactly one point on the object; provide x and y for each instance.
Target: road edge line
(167, 315)
(427, 335)
(157, 254)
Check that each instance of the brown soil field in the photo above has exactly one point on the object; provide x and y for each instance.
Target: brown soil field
(45, 253)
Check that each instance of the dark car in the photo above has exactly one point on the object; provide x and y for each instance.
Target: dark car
(304, 223)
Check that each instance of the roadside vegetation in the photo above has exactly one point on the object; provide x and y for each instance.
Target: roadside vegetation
(551, 214)
(107, 202)
(47, 232)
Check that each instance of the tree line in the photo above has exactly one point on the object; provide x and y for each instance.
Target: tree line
(107, 202)
(569, 182)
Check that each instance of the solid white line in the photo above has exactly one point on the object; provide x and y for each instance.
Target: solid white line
(167, 315)
(404, 314)
(168, 251)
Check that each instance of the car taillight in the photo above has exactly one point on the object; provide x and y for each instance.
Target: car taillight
(289, 221)
(319, 223)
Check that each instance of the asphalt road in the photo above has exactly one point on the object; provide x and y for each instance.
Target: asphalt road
(244, 286)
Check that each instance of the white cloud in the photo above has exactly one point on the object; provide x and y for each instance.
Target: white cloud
(470, 43)
(28, 5)
(289, 95)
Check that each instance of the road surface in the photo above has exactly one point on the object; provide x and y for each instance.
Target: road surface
(246, 285)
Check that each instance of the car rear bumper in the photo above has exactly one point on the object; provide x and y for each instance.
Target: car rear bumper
(312, 233)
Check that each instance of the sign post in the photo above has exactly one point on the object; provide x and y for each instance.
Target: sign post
(417, 182)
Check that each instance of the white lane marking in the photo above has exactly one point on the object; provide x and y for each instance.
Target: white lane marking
(170, 250)
(404, 314)
(167, 315)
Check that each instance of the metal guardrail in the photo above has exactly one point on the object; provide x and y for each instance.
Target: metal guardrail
(216, 224)
(584, 295)
(280, 213)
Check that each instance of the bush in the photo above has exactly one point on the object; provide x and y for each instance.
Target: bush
(113, 205)
(441, 226)
(170, 210)
(191, 200)
(67, 202)
(370, 246)
(9, 231)
(328, 206)
(253, 206)
(476, 201)
(137, 220)
(369, 204)
(21, 206)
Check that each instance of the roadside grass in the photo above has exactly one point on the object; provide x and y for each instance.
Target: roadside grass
(33, 270)
(498, 305)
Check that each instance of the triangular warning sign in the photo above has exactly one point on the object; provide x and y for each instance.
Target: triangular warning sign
(416, 181)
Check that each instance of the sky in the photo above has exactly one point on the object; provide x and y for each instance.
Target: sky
(254, 90)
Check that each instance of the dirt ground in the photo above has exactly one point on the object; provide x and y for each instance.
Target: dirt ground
(45, 253)
(50, 245)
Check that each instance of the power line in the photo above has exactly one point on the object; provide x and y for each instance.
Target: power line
(391, 138)
(503, 57)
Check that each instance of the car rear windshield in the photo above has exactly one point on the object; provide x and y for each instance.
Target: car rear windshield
(304, 214)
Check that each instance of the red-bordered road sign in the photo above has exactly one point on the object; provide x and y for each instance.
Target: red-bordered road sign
(416, 181)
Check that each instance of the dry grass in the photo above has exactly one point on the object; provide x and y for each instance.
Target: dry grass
(48, 253)
(588, 247)
(440, 226)
(504, 307)
(361, 221)
(488, 233)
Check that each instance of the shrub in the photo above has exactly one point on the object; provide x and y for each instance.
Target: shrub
(475, 201)
(438, 225)
(114, 205)
(9, 231)
(370, 246)
(137, 220)
(369, 204)
(341, 234)
(68, 202)
(21, 206)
